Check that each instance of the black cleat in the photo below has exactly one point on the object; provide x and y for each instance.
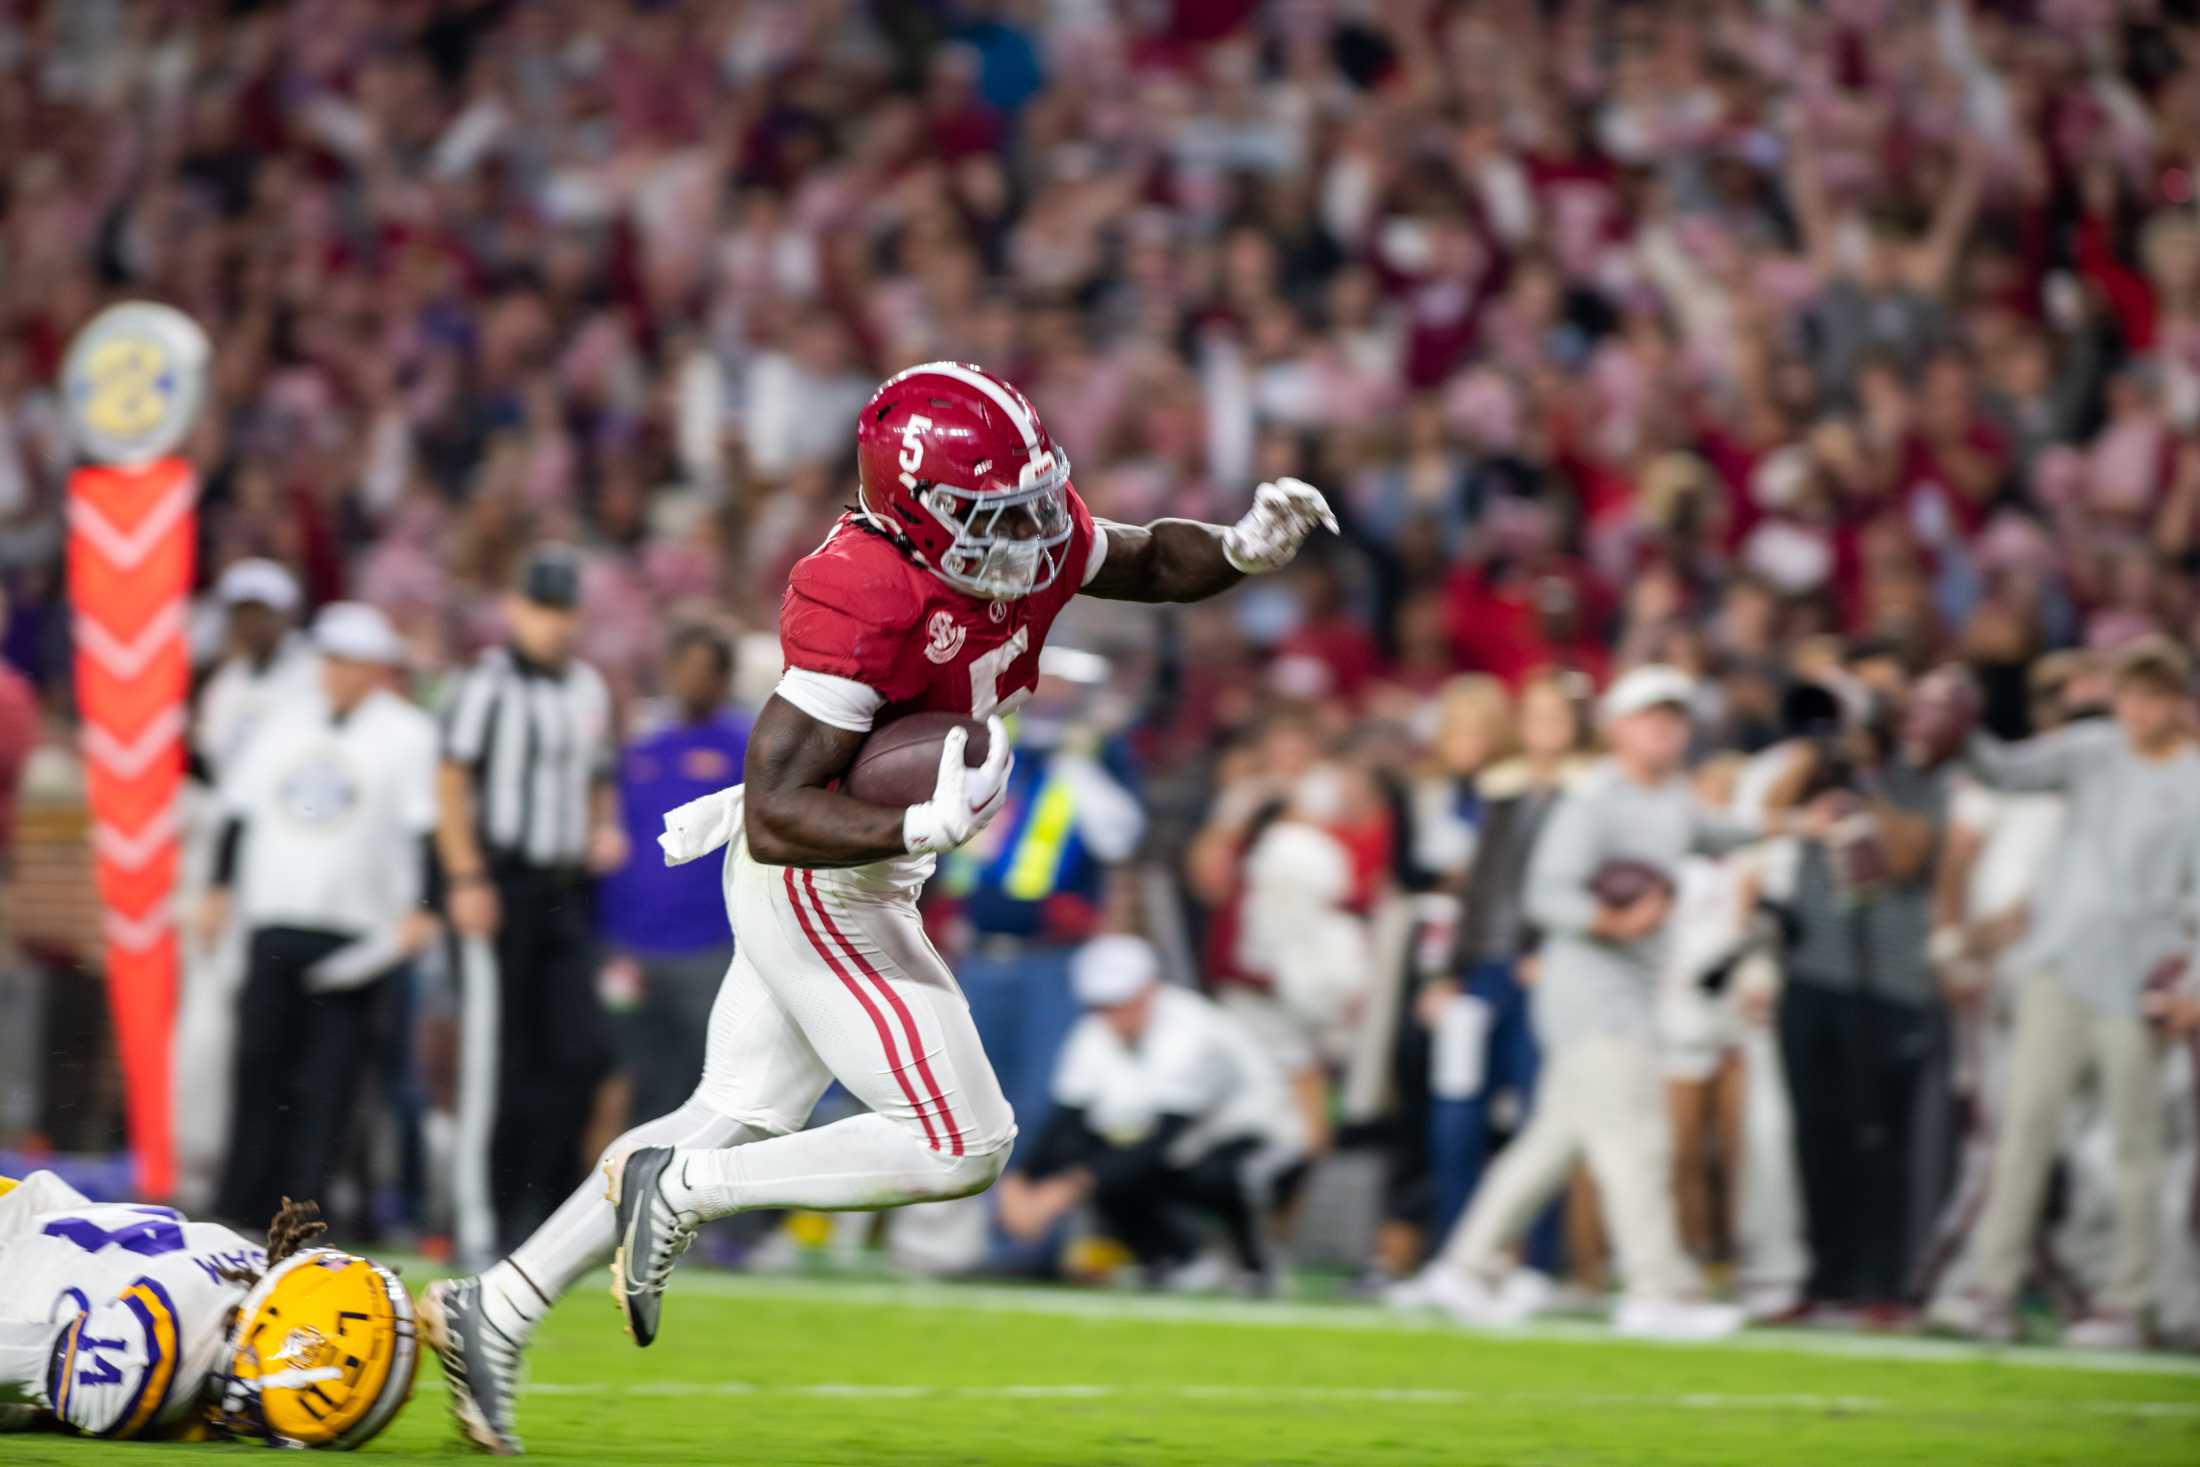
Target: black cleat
(480, 1363)
(651, 1238)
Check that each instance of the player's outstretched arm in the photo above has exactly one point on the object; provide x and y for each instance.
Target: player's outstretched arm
(1168, 560)
(1185, 560)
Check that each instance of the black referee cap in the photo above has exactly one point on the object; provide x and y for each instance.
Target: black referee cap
(551, 576)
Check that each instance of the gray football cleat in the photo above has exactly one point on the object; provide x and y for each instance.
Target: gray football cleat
(651, 1237)
(480, 1363)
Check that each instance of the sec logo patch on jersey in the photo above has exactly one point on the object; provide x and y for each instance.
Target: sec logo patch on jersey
(944, 637)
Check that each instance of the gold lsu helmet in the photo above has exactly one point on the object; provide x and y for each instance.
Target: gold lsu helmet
(322, 1354)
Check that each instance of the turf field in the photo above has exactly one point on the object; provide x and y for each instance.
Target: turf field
(806, 1372)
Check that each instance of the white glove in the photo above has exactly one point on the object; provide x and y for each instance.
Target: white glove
(1284, 513)
(965, 800)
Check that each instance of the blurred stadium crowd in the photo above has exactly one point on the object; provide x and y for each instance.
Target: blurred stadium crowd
(1797, 348)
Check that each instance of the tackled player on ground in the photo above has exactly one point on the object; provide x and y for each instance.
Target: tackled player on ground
(130, 1321)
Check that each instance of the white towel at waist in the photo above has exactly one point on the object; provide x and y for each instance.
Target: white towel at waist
(701, 826)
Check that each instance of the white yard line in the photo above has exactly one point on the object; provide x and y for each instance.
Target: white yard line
(1146, 1308)
(1714, 1401)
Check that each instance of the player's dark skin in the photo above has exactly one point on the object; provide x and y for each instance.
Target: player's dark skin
(791, 816)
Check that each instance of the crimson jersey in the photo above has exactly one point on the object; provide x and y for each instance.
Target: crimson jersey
(857, 608)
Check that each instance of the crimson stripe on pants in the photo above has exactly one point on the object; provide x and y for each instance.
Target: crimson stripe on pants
(908, 1022)
(878, 1020)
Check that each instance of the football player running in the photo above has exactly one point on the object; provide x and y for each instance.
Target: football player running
(934, 594)
(131, 1321)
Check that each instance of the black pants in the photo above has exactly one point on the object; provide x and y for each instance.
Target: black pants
(1154, 1211)
(553, 1045)
(300, 1057)
(663, 1040)
(1409, 1184)
(1864, 1075)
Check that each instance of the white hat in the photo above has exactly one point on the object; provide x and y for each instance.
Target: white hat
(1649, 686)
(1112, 970)
(357, 632)
(258, 580)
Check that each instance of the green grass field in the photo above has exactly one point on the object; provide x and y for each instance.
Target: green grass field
(807, 1372)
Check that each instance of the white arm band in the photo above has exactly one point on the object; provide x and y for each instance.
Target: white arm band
(840, 701)
(1098, 556)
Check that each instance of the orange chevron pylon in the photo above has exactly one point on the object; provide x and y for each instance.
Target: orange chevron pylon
(132, 539)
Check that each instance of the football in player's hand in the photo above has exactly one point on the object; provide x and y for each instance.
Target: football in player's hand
(899, 764)
(1623, 882)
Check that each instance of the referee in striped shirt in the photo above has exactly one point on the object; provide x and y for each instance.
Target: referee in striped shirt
(526, 816)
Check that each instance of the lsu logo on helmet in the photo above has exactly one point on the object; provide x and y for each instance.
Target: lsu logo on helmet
(323, 1354)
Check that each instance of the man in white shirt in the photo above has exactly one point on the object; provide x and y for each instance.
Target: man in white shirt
(268, 663)
(1594, 1011)
(2112, 969)
(264, 663)
(2000, 849)
(327, 817)
(1165, 1108)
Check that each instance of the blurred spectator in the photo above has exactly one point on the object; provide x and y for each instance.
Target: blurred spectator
(1863, 1028)
(2111, 964)
(1998, 855)
(664, 927)
(20, 728)
(1163, 1105)
(266, 662)
(262, 664)
(19, 733)
(1593, 1008)
(1479, 1022)
(1303, 941)
(1440, 814)
(1701, 999)
(323, 854)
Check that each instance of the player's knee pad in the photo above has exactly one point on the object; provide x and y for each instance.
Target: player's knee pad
(972, 1172)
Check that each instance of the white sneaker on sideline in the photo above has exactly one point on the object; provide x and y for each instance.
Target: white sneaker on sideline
(1413, 1293)
(1468, 1299)
(1463, 1298)
(2105, 1332)
(1568, 1297)
(1761, 1302)
(1675, 1319)
(1524, 1293)
(1202, 1275)
(1972, 1318)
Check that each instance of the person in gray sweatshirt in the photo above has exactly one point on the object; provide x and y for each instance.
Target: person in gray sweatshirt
(2112, 962)
(1601, 1093)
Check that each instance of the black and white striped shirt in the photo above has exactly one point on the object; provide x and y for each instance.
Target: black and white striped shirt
(536, 739)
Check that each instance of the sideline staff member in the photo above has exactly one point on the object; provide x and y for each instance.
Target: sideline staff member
(325, 824)
(1165, 1110)
(526, 810)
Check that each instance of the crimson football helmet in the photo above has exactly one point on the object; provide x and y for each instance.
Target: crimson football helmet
(957, 468)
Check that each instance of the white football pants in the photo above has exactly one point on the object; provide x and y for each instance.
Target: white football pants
(829, 981)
